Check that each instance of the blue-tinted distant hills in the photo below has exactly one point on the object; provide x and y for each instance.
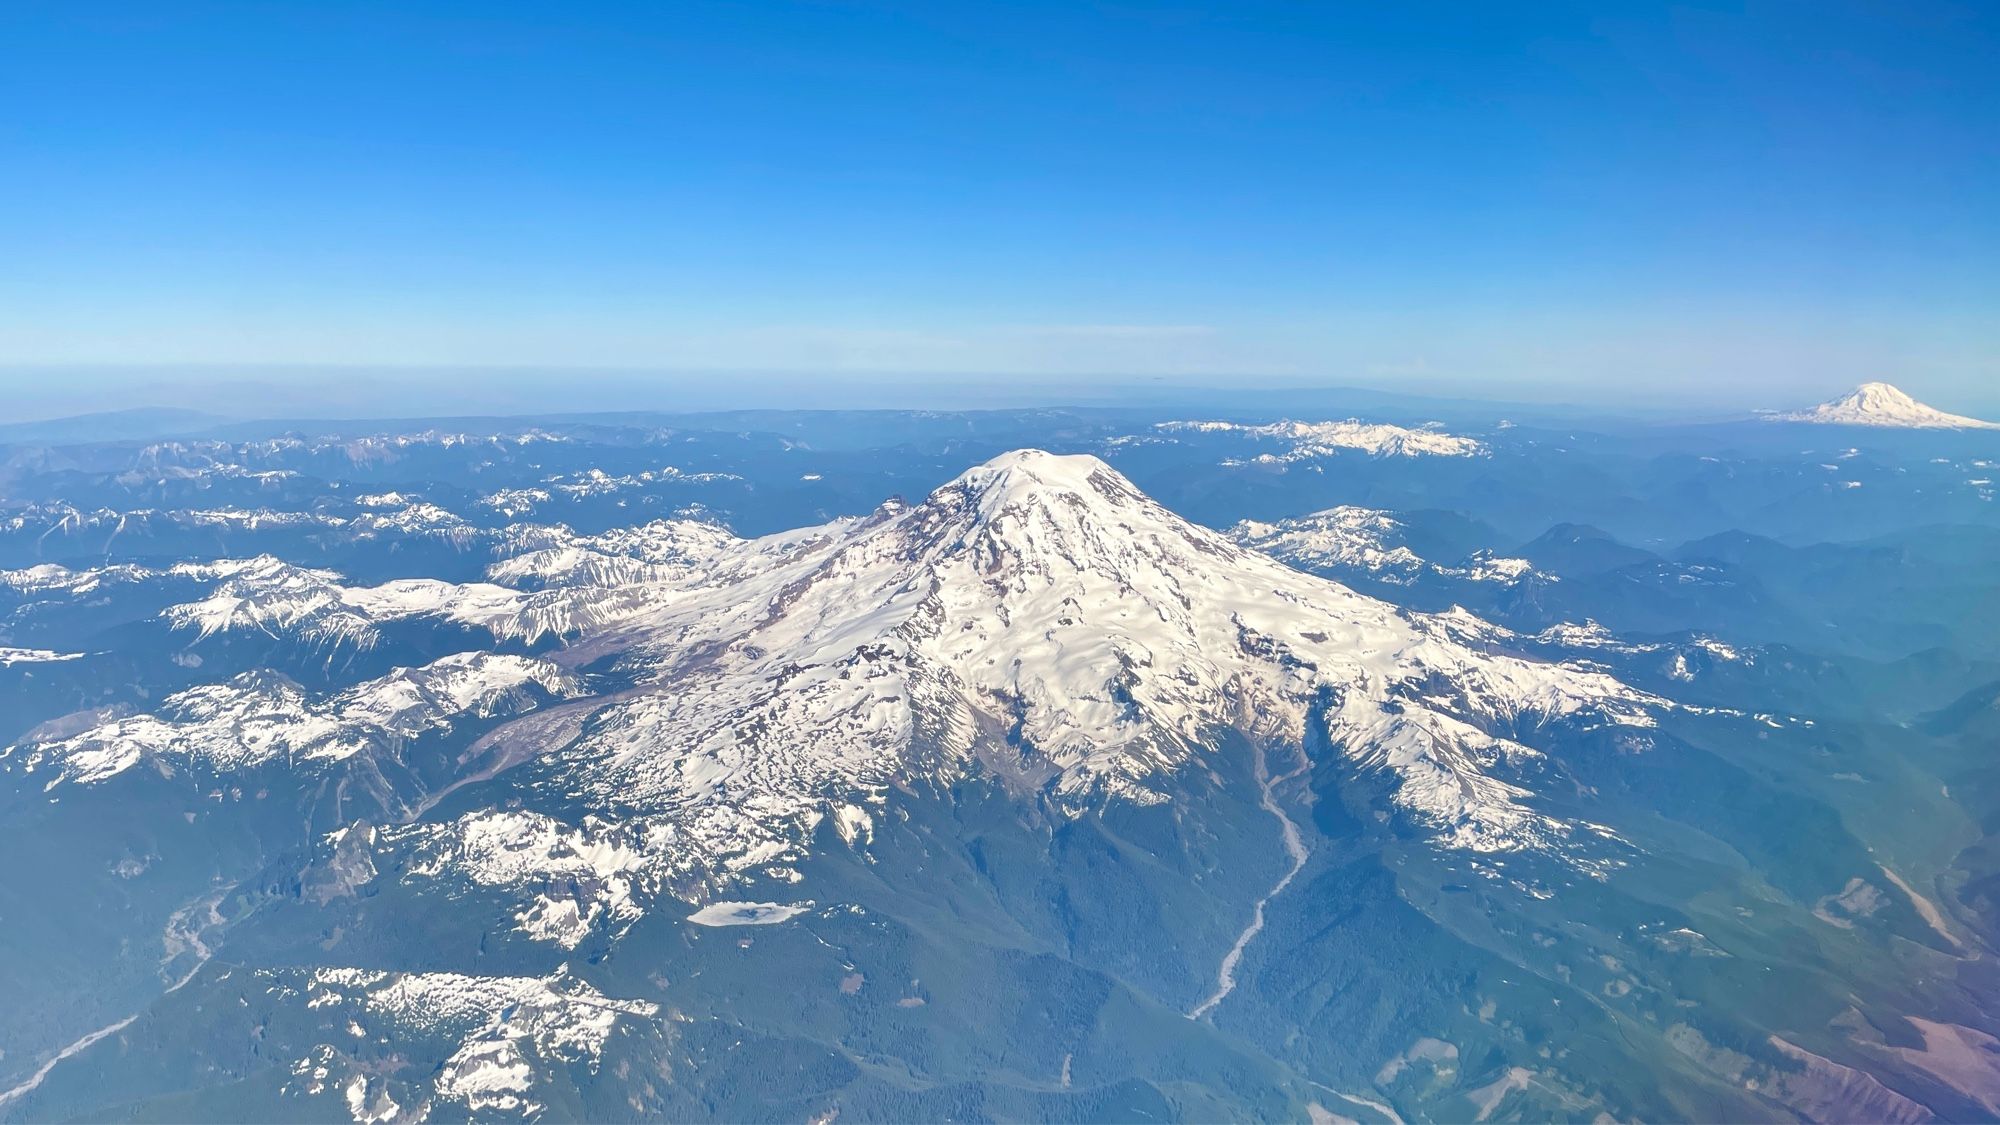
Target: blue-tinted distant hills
(139, 424)
(295, 710)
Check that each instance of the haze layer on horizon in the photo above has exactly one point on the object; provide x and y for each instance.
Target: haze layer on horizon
(360, 393)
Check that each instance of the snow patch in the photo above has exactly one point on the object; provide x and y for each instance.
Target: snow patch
(747, 913)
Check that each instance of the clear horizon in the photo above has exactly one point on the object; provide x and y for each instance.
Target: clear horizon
(1662, 203)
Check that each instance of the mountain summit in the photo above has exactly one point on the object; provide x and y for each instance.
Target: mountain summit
(1880, 404)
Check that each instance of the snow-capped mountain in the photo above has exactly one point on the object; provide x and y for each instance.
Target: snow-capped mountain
(315, 608)
(1879, 404)
(664, 551)
(1365, 540)
(262, 717)
(1307, 441)
(371, 521)
(1040, 620)
(538, 588)
(1037, 620)
(592, 482)
(273, 596)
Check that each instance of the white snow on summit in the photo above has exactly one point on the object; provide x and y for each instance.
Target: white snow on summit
(1879, 404)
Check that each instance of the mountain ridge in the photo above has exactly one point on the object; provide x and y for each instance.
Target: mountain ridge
(1038, 618)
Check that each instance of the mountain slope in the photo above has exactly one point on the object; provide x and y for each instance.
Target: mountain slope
(1879, 404)
(1040, 620)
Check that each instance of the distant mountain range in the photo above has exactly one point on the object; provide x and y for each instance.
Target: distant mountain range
(138, 424)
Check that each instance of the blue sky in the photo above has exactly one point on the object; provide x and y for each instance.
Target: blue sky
(1745, 202)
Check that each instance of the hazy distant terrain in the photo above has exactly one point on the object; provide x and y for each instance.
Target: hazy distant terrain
(1394, 761)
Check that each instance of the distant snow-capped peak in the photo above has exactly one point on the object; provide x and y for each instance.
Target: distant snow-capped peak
(1350, 539)
(1312, 440)
(663, 551)
(1879, 404)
